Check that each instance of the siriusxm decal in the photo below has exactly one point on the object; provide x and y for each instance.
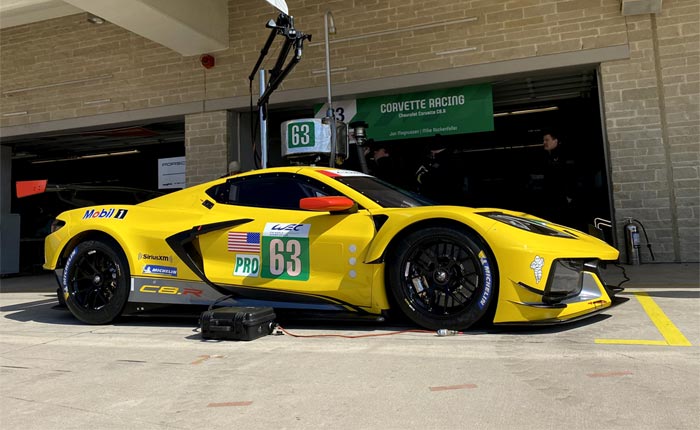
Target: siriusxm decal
(159, 270)
(488, 280)
(152, 257)
(105, 213)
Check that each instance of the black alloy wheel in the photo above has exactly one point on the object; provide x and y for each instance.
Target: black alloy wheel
(442, 278)
(96, 280)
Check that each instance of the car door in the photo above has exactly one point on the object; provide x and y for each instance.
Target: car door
(278, 247)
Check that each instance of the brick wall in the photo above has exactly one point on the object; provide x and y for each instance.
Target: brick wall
(678, 30)
(51, 69)
(653, 125)
(41, 62)
(206, 146)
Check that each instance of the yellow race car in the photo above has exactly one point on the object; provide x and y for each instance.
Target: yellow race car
(328, 242)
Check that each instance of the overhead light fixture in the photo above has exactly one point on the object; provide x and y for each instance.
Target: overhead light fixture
(500, 148)
(526, 111)
(81, 157)
(94, 19)
(24, 112)
(22, 155)
(111, 154)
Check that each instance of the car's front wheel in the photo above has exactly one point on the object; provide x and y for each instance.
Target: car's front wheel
(96, 281)
(442, 277)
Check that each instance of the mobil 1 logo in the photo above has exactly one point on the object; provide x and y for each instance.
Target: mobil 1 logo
(285, 251)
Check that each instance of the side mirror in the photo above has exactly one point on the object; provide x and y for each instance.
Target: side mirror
(328, 204)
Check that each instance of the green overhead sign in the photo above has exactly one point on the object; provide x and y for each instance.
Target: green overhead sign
(460, 110)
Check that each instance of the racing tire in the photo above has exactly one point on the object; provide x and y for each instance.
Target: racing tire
(442, 277)
(96, 282)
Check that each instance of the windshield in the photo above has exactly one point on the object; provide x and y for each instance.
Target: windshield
(383, 193)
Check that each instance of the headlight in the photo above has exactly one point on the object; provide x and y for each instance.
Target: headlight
(56, 225)
(566, 279)
(526, 224)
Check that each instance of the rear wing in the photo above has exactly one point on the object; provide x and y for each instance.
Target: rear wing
(30, 188)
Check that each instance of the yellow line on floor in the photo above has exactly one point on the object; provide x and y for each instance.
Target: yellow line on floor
(669, 331)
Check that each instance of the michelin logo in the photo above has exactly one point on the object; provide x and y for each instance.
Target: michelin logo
(488, 280)
(536, 266)
(159, 270)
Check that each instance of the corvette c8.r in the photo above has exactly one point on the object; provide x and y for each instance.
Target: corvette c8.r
(328, 241)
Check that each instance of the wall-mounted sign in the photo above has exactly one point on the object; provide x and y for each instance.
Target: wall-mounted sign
(171, 173)
(460, 110)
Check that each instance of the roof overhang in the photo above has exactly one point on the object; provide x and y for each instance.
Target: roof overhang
(187, 27)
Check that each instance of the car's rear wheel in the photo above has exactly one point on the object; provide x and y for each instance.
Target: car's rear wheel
(442, 277)
(96, 280)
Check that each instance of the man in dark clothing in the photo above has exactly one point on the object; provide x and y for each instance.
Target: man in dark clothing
(381, 164)
(438, 177)
(558, 183)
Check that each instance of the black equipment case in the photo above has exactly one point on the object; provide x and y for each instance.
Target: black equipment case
(237, 323)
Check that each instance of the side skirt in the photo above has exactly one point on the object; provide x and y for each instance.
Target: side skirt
(158, 291)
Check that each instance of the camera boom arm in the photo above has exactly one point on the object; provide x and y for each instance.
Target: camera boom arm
(284, 26)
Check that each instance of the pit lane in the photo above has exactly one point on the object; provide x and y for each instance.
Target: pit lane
(635, 365)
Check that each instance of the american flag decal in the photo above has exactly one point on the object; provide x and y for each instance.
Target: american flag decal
(243, 242)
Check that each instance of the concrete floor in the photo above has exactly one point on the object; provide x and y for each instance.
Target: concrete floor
(636, 365)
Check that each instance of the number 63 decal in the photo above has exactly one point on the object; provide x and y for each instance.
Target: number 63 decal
(285, 258)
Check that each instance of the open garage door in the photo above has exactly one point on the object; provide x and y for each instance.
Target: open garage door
(118, 164)
(507, 166)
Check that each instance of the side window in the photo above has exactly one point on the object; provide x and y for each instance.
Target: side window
(274, 191)
(270, 192)
(220, 193)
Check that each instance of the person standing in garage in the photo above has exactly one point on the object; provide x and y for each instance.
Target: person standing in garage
(438, 177)
(381, 163)
(558, 187)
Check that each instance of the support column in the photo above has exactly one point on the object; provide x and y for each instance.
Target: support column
(9, 223)
(5, 179)
(206, 146)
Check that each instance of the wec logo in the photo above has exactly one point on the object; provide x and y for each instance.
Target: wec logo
(287, 227)
(105, 213)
